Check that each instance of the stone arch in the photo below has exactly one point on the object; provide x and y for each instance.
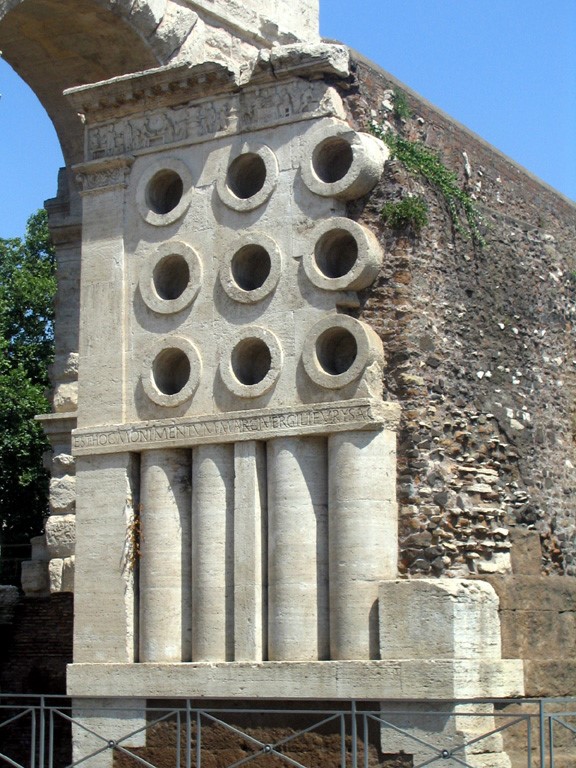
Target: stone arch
(58, 44)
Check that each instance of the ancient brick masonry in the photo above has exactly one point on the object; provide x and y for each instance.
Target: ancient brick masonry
(480, 346)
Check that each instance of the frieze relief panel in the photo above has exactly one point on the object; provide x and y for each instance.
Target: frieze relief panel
(251, 110)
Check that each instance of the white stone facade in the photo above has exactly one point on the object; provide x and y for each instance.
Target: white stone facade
(225, 462)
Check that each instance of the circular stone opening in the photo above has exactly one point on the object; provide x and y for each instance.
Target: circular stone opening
(332, 159)
(336, 350)
(171, 277)
(251, 361)
(171, 371)
(336, 252)
(246, 175)
(164, 191)
(251, 267)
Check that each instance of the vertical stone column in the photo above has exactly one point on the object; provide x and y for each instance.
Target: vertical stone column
(103, 306)
(297, 549)
(104, 600)
(165, 581)
(250, 568)
(212, 553)
(363, 524)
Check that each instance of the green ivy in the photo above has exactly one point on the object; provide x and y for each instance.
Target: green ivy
(402, 109)
(419, 159)
(409, 213)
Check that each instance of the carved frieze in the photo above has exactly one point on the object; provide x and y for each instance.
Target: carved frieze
(254, 108)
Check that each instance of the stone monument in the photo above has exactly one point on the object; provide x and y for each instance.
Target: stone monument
(224, 472)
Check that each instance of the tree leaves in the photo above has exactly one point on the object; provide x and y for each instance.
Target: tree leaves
(27, 288)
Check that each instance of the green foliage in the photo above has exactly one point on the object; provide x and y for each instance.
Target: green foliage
(401, 108)
(27, 287)
(409, 213)
(421, 160)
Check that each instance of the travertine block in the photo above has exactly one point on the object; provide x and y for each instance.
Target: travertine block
(439, 619)
(65, 398)
(104, 610)
(62, 495)
(60, 535)
(61, 575)
(97, 722)
(34, 578)
(321, 680)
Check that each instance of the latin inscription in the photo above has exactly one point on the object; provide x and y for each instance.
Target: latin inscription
(239, 426)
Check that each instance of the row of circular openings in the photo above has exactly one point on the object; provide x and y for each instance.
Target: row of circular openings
(345, 256)
(335, 354)
(342, 163)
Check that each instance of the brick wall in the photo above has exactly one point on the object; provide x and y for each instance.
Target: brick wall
(35, 649)
(481, 351)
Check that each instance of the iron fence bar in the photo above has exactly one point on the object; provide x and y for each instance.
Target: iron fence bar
(75, 763)
(11, 762)
(198, 739)
(354, 736)
(137, 758)
(33, 740)
(29, 710)
(542, 734)
(342, 741)
(188, 736)
(42, 745)
(551, 740)
(529, 741)
(50, 738)
(558, 718)
(365, 731)
(488, 733)
(406, 733)
(45, 716)
(280, 743)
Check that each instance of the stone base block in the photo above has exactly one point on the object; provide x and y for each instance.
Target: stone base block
(440, 679)
(431, 732)
(439, 619)
(99, 722)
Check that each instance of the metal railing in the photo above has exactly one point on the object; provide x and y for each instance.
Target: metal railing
(38, 732)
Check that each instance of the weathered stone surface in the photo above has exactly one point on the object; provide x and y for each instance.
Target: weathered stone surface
(65, 398)
(325, 680)
(34, 578)
(536, 593)
(62, 495)
(109, 719)
(333, 59)
(550, 678)
(456, 619)
(61, 575)
(60, 532)
(526, 552)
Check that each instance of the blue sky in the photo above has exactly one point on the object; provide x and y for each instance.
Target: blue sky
(505, 69)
